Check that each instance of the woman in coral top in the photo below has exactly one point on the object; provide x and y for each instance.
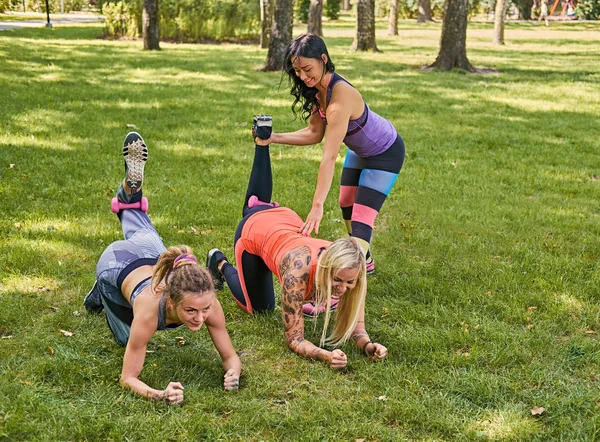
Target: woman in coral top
(267, 241)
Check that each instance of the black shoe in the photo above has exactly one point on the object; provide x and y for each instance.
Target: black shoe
(262, 126)
(213, 258)
(136, 155)
(92, 301)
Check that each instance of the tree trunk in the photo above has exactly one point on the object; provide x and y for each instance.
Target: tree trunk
(453, 44)
(499, 17)
(281, 35)
(315, 13)
(266, 20)
(393, 18)
(150, 25)
(346, 6)
(424, 12)
(365, 27)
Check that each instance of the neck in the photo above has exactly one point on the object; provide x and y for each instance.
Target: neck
(324, 82)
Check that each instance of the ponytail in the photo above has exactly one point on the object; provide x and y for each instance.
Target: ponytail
(178, 271)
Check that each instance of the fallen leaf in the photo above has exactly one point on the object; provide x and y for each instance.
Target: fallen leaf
(76, 313)
(8, 337)
(132, 126)
(228, 412)
(180, 341)
(206, 232)
(453, 164)
(21, 381)
(149, 351)
(18, 226)
(66, 333)
(171, 189)
(382, 398)
(181, 231)
(11, 166)
(589, 331)
(51, 351)
(531, 309)
(194, 231)
(360, 440)
(537, 411)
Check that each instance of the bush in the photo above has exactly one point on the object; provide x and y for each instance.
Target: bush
(588, 9)
(187, 20)
(332, 9)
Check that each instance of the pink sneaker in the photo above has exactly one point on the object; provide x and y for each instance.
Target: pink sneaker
(370, 266)
(253, 201)
(309, 309)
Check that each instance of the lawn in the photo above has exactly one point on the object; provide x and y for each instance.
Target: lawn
(487, 289)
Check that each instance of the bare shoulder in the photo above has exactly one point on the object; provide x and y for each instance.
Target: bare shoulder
(297, 261)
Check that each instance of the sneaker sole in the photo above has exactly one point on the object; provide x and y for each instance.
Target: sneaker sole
(218, 281)
(136, 155)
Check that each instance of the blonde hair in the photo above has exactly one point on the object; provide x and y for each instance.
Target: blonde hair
(178, 275)
(344, 253)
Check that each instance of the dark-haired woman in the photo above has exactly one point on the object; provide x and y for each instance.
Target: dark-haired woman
(144, 287)
(375, 149)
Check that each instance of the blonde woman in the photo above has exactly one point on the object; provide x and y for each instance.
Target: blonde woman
(144, 287)
(268, 241)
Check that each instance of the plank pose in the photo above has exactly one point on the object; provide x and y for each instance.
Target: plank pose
(144, 287)
(375, 149)
(267, 241)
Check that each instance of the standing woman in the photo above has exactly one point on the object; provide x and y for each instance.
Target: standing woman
(144, 287)
(375, 149)
(267, 242)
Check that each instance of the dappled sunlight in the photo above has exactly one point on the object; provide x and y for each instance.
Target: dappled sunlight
(505, 425)
(29, 285)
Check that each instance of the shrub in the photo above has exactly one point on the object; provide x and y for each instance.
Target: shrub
(332, 9)
(588, 9)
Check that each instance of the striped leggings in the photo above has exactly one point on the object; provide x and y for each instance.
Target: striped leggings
(365, 184)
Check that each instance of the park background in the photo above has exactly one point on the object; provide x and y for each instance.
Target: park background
(486, 288)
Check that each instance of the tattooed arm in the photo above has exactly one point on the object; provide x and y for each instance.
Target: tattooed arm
(295, 272)
(362, 340)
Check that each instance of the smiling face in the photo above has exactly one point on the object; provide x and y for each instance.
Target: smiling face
(344, 280)
(193, 310)
(310, 70)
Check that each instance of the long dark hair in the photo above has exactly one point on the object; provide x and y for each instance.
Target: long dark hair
(305, 98)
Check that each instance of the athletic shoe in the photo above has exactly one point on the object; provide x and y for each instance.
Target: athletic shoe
(370, 266)
(310, 309)
(92, 301)
(136, 155)
(253, 201)
(213, 258)
(262, 126)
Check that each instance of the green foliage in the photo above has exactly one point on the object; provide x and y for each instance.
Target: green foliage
(487, 288)
(301, 10)
(192, 20)
(409, 8)
(588, 9)
(332, 9)
(40, 5)
(122, 19)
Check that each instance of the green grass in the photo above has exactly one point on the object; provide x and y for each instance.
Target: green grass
(487, 286)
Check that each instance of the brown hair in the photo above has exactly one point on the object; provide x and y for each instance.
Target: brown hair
(185, 277)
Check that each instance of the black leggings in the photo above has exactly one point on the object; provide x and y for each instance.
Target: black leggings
(257, 276)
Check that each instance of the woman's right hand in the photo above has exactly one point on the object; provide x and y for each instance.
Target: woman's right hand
(173, 394)
(338, 359)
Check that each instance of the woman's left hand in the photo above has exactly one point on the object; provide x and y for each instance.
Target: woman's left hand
(231, 380)
(313, 220)
(376, 352)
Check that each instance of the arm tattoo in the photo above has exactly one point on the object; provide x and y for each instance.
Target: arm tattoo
(295, 274)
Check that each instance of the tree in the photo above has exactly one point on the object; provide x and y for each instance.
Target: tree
(266, 20)
(346, 6)
(150, 25)
(424, 11)
(365, 26)
(281, 35)
(393, 18)
(499, 17)
(453, 44)
(315, 13)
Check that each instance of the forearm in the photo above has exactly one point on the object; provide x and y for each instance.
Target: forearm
(308, 350)
(361, 339)
(324, 180)
(139, 387)
(302, 137)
